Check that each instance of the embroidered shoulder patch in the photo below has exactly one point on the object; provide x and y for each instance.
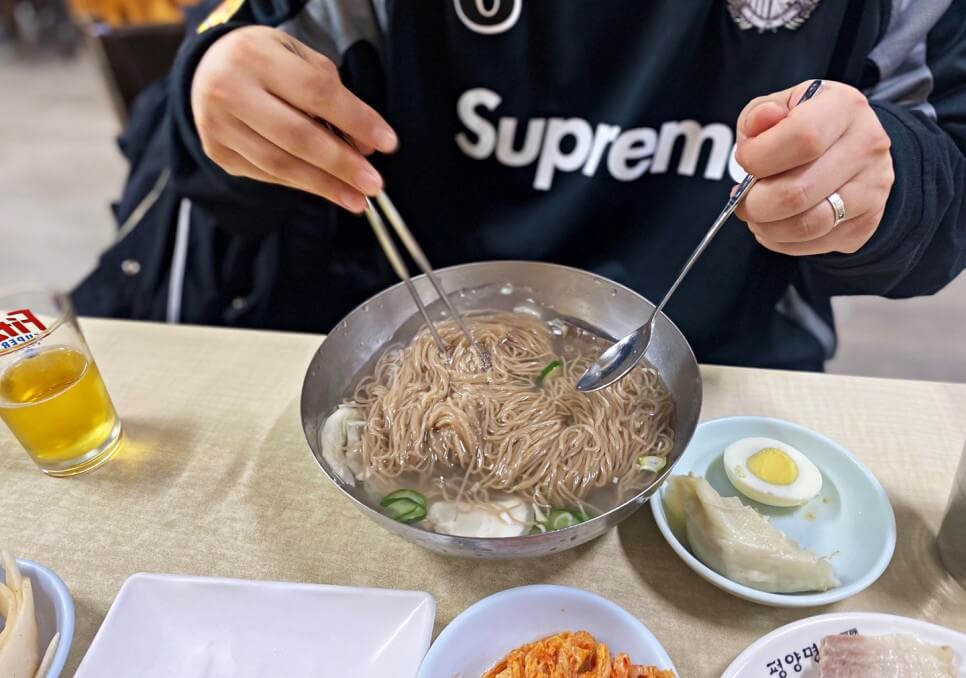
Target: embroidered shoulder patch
(221, 14)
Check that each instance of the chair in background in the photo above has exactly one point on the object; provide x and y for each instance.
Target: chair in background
(135, 41)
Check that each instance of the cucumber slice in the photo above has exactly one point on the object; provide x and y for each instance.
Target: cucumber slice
(402, 507)
(411, 495)
(413, 516)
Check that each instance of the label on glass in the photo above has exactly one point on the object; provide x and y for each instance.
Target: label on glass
(19, 328)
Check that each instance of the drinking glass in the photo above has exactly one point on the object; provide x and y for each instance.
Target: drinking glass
(52, 396)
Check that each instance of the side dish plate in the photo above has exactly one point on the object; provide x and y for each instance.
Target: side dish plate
(851, 521)
(192, 627)
(487, 631)
(797, 642)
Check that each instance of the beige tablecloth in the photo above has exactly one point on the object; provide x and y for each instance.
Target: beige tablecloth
(216, 479)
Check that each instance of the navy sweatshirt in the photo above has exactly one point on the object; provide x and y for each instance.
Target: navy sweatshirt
(594, 133)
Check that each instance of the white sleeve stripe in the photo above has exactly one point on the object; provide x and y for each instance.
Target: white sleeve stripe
(381, 9)
(179, 259)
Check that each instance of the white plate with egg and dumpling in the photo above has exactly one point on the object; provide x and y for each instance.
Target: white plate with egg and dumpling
(793, 646)
(850, 521)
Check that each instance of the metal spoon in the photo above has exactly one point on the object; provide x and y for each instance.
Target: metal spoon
(623, 356)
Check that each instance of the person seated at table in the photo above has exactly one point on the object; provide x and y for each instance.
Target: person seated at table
(602, 135)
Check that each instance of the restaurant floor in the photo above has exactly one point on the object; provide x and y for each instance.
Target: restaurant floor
(59, 170)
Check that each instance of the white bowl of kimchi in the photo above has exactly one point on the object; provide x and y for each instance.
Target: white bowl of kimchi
(480, 640)
(51, 610)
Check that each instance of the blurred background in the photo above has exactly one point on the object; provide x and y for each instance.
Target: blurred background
(67, 75)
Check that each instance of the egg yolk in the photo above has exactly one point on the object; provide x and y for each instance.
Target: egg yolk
(773, 466)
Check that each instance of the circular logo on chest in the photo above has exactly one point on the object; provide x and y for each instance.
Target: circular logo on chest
(770, 15)
(488, 16)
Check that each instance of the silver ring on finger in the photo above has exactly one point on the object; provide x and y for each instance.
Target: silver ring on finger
(838, 208)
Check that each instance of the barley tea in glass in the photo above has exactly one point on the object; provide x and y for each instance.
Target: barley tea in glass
(52, 396)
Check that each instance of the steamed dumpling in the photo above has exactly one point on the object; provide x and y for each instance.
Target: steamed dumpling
(741, 544)
(341, 443)
(19, 647)
(505, 518)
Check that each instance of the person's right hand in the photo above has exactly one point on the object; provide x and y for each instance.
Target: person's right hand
(254, 95)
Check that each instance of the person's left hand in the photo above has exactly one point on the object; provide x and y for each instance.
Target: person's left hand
(833, 143)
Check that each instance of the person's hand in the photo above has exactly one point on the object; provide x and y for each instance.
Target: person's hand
(832, 143)
(254, 96)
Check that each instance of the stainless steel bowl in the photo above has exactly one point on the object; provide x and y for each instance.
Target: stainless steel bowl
(598, 301)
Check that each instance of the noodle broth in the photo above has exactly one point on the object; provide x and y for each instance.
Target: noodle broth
(504, 451)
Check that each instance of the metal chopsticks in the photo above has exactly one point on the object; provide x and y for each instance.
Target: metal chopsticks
(416, 252)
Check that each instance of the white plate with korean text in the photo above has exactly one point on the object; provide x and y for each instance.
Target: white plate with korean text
(850, 521)
(161, 626)
(790, 652)
(488, 630)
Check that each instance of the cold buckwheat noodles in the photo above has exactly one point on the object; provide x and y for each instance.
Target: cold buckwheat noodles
(506, 431)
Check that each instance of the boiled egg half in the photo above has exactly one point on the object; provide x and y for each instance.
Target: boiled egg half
(771, 472)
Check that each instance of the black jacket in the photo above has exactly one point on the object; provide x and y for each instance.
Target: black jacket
(595, 133)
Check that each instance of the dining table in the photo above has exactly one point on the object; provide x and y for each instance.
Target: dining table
(215, 478)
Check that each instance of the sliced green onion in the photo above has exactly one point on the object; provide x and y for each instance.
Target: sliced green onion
(651, 463)
(560, 519)
(545, 372)
(411, 495)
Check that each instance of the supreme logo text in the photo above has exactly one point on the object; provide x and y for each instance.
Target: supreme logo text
(571, 144)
